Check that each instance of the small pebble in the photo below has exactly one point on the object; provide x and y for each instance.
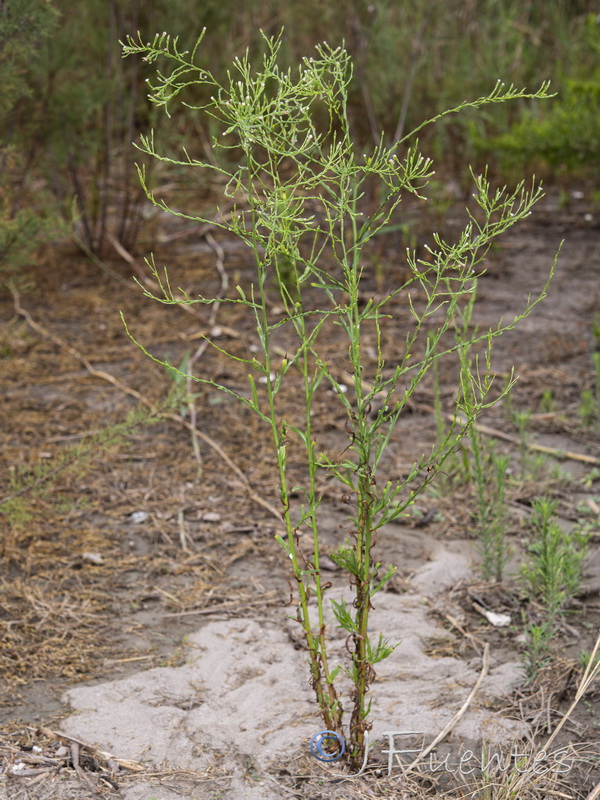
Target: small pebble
(138, 517)
(94, 558)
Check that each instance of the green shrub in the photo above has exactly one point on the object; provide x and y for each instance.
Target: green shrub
(24, 222)
(565, 134)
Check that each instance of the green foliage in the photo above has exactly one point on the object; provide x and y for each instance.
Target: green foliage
(533, 466)
(297, 182)
(483, 466)
(492, 514)
(568, 135)
(552, 574)
(24, 27)
(179, 397)
(15, 511)
(536, 655)
(589, 410)
(547, 402)
(73, 109)
(21, 233)
(552, 577)
(565, 134)
(586, 660)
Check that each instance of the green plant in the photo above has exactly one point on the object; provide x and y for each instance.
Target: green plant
(533, 466)
(482, 465)
(585, 659)
(552, 577)
(567, 136)
(590, 478)
(553, 572)
(298, 185)
(547, 404)
(522, 420)
(182, 400)
(489, 471)
(589, 410)
(178, 398)
(25, 222)
(536, 656)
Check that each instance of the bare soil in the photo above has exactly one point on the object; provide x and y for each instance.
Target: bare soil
(142, 588)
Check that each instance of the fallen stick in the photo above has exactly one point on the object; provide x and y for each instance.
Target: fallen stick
(595, 793)
(540, 448)
(507, 437)
(133, 263)
(230, 605)
(134, 766)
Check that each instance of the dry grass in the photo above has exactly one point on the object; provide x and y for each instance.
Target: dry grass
(44, 763)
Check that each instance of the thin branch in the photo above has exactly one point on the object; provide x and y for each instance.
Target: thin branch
(214, 310)
(592, 671)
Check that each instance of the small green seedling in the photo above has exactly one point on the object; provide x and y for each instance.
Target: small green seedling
(552, 573)
(589, 410)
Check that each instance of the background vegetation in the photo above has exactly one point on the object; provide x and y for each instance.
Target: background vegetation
(70, 106)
